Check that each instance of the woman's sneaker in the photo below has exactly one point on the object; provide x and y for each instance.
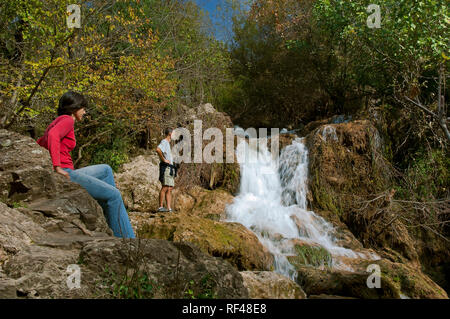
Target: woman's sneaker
(163, 210)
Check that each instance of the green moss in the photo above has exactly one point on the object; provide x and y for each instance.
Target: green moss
(231, 177)
(81, 260)
(224, 235)
(324, 197)
(163, 232)
(214, 217)
(409, 281)
(311, 255)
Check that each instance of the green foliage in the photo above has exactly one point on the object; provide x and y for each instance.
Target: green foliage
(111, 58)
(315, 256)
(428, 176)
(134, 59)
(114, 153)
(298, 61)
(189, 293)
(81, 260)
(187, 34)
(18, 205)
(136, 286)
(412, 39)
(204, 290)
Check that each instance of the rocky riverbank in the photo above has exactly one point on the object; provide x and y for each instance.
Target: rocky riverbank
(48, 223)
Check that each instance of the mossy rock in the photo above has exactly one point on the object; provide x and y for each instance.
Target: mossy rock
(209, 204)
(411, 281)
(348, 170)
(309, 254)
(327, 281)
(346, 165)
(408, 279)
(397, 280)
(231, 241)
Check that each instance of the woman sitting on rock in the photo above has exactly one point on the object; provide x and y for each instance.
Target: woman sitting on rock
(98, 180)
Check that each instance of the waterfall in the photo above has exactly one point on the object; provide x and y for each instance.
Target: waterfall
(272, 202)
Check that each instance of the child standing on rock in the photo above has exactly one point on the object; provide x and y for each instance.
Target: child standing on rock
(167, 171)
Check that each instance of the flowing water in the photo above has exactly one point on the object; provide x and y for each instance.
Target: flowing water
(272, 202)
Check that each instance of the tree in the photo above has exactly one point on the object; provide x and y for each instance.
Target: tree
(186, 34)
(111, 59)
(287, 46)
(276, 85)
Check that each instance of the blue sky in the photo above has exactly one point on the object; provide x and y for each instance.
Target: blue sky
(223, 25)
(209, 5)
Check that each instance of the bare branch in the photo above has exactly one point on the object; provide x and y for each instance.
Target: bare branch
(420, 105)
(80, 156)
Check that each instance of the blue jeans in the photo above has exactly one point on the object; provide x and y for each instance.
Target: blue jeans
(98, 180)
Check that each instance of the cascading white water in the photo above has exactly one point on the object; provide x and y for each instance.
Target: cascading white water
(273, 203)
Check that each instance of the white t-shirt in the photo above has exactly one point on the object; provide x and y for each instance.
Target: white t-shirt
(164, 146)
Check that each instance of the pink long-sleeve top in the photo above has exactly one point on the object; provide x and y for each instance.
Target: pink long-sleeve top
(59, 139)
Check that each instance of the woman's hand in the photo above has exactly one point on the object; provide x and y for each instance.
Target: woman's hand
(59, 170)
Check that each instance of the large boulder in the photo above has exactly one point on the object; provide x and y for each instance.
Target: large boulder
(210, 204)
(145, 268)
(207, 175)
(39, 272)
(270, 285)
(17, 231)
(138, 181)
(347, 168)
(408, 278)
(152, 268)
(36, 263)
(344, 158)
(50, 227)
(139, 184)
(231, 241)
(310, 254)
(33, 258)
(315, 281)
(28, 181)
(25, 169)
(352, 185)
(396, 281)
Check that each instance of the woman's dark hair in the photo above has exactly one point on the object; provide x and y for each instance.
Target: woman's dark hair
(70, 102)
